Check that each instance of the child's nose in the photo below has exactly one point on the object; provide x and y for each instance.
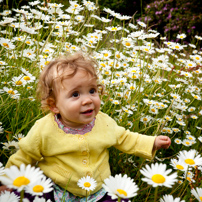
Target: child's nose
(86, 100)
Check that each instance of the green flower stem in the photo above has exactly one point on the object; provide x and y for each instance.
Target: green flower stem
(22, 195)
(155, 194)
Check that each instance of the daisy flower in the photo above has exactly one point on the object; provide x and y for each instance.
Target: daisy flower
(87, 183)
(169, 198)
(11, 146)
(200, 139)
(191, 157)
(113, 29)
(179, 164)
(190, 137)
(198, 37)
(145, 119)
(181, 36)
(189, 176)
(175, 96)
(157, 175)
(9, 197)
(197, 193)
(141, 24)
(1, 169)
(177, 141)
(37, 199)
(153, 110)
(20, 178)
(18, 136)
(11, 92)
(6, 43)
(18, 81)
(120, 186)
(176, 130)
(181, 123)
(40, 186)
(187, 142)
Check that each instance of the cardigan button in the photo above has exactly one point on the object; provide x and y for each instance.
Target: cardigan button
(89, 174)
(84, 161)
(84, 152)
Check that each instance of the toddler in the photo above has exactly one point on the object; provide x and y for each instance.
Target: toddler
(72, 141)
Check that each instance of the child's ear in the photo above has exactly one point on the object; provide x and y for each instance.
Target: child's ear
(52, 106)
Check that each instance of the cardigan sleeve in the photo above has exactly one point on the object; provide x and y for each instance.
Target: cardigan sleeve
(137, 144)
(132, 142)
(29, 152)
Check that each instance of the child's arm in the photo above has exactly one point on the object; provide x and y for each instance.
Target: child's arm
(161, 142)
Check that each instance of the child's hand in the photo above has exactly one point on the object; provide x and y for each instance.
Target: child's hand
(161, 142)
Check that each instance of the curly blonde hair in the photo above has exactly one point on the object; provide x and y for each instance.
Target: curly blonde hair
(57, 70)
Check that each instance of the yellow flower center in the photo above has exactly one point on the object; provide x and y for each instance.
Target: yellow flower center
(106, 54)
(19, 181)
(127, 44)
(158, 178)
(200, 198)
(27, 42)
(38, 188)
(179, 167)
(153, 110)
(87, 184)
(145, 119)
(177, 47)
(5, 44)
(18, 82)
(11, 92)
(26, 78)
(121, 191)
(146, 49)
(189, 161)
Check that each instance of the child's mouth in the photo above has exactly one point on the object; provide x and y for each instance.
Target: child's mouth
(87, 112)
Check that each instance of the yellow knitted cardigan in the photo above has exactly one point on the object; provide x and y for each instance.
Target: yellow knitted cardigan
(65, 158)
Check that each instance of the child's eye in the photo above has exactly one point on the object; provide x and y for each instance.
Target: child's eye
(92, 91)
(75, 94)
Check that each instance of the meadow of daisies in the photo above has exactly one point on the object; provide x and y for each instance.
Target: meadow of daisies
(152, 86)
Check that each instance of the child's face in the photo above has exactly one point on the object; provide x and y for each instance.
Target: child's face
(78, 101)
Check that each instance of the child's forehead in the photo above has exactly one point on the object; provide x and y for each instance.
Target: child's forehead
(63, 72)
